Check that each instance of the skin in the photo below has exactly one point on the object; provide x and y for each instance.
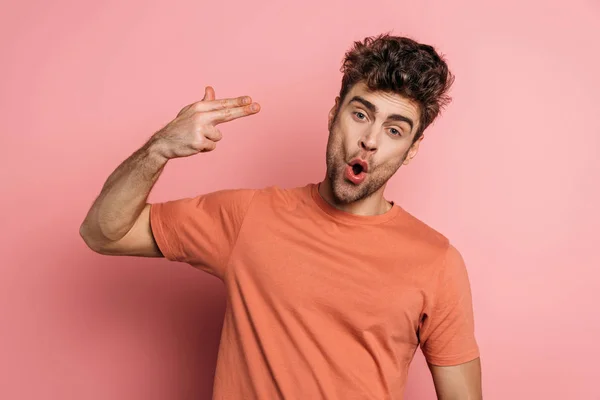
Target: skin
(361, 126)
(458, 382)
(118, 222)
(365, 124)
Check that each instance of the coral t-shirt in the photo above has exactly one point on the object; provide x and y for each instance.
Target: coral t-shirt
(321, 304)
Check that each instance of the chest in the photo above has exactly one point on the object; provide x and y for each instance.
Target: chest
(356, 275)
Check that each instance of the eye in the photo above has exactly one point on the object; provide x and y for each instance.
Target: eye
(360, 115)
(395, 132)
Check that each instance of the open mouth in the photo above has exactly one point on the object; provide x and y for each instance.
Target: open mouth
(357, 169)
(358, 165)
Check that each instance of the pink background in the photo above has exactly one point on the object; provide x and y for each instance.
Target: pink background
(510, 173)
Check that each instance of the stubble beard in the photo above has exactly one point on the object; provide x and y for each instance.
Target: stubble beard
(345, 192)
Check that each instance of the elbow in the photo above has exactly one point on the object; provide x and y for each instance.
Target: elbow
(87, 234)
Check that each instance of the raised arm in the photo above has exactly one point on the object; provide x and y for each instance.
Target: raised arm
(118, 222)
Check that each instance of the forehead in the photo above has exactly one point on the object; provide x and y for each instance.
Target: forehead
(387, 103)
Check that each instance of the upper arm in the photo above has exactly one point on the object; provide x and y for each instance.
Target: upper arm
(456, 382)
(139, 241)
(447, 333)
(447, 329)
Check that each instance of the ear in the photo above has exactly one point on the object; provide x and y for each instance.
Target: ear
(412, 152)
(333, 111)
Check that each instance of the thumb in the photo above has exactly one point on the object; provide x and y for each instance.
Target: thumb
(209, 94)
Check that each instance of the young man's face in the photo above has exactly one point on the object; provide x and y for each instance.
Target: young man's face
(369, 139)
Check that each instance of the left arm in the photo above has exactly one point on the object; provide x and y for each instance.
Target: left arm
(447, 333)
(458, 382)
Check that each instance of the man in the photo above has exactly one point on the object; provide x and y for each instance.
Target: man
(330, 287)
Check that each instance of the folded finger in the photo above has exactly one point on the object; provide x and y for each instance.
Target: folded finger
(213, 134)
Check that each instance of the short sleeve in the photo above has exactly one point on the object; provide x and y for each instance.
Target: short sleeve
(447, 334)
(202, 230)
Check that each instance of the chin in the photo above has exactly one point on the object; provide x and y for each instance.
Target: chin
(345, 192)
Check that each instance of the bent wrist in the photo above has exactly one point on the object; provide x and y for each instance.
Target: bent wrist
(156, 151)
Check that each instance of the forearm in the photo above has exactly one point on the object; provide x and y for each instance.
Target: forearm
(123, 197)
(459, 382)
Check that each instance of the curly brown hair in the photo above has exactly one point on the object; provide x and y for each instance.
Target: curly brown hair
(402, 66)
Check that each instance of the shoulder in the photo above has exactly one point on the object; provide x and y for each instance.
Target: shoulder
(285, 192)
(421, 234)
(239, 197)
(427, 244)
(276, 195)
(210, 203)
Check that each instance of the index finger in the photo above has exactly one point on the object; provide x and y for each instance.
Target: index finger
(212, 105)
(228, 114)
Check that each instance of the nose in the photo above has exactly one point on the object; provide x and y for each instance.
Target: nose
(368, 142)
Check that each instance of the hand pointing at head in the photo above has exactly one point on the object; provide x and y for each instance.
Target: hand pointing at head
(194, 130)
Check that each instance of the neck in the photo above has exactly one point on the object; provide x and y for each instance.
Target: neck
(374, 204)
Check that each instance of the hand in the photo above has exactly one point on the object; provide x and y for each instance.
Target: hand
(194, 130)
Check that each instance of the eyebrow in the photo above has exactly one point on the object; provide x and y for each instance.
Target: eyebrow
(373, 108)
